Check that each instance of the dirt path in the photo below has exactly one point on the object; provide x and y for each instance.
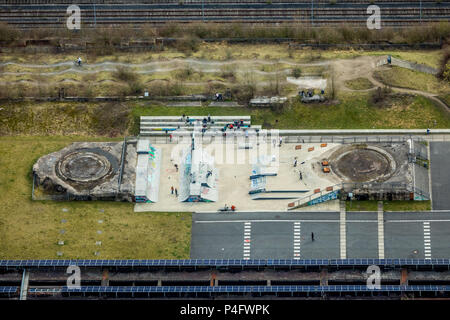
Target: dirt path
(344, 70)
(364, 67)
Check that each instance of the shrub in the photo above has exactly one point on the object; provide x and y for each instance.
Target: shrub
(380, 94)
(296, 72)
(444, 68)
(7, 33)
(187, 44)
(124, 74)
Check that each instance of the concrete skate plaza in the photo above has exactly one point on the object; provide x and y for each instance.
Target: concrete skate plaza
(234, 181)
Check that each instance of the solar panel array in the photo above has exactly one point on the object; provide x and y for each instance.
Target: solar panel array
(243, 289)
(226, 263)
(8, 289)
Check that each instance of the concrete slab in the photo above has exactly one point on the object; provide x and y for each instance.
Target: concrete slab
(440, 175)
(272, 240)
(217, 241)
(221, 236)
(440, 239)
(403, 240)
(326, 240)
(362, 240)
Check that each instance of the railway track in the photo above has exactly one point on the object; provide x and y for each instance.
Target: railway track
(26, 14)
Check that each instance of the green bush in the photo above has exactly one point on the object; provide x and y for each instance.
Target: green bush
(296, 72)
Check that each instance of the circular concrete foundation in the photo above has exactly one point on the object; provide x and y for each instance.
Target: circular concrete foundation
(363, 164)
(83, 167)
(86, 166)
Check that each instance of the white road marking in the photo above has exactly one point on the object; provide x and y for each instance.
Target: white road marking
(380, 232)
(247, 237)
(342, 232)
(328, 221)
(427, 239)
(296, 240)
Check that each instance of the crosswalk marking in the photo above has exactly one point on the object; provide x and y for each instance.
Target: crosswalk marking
(296, 239)
(247, 239)
(380, 219)
(427, 239)
(342, 231)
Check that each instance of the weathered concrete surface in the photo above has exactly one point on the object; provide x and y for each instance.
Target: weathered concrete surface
(88, 171)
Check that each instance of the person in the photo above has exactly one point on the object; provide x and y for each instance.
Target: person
(209, 118)
(79, 61)
(233, 208)
(428, 131)
(295, 162)
(301, 177)
(170, 137)
(312, 236)
(187, 120)
(176, 192)
(171, 190)
(281, 141)
(176, 167)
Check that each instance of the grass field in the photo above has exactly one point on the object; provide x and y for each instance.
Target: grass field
(31, 229)
(389, 205)
(359, 84)
(119, 119)
(400, 77)
(353, 112)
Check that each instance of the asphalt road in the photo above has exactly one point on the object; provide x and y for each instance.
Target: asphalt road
(282, 235)
(440, 175)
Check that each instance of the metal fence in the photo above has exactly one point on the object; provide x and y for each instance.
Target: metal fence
(385, 187)
(209, 138)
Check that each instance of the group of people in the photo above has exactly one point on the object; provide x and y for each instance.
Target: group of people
(233, 208)
(233, 126)
(309, 93)
(280, 140)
